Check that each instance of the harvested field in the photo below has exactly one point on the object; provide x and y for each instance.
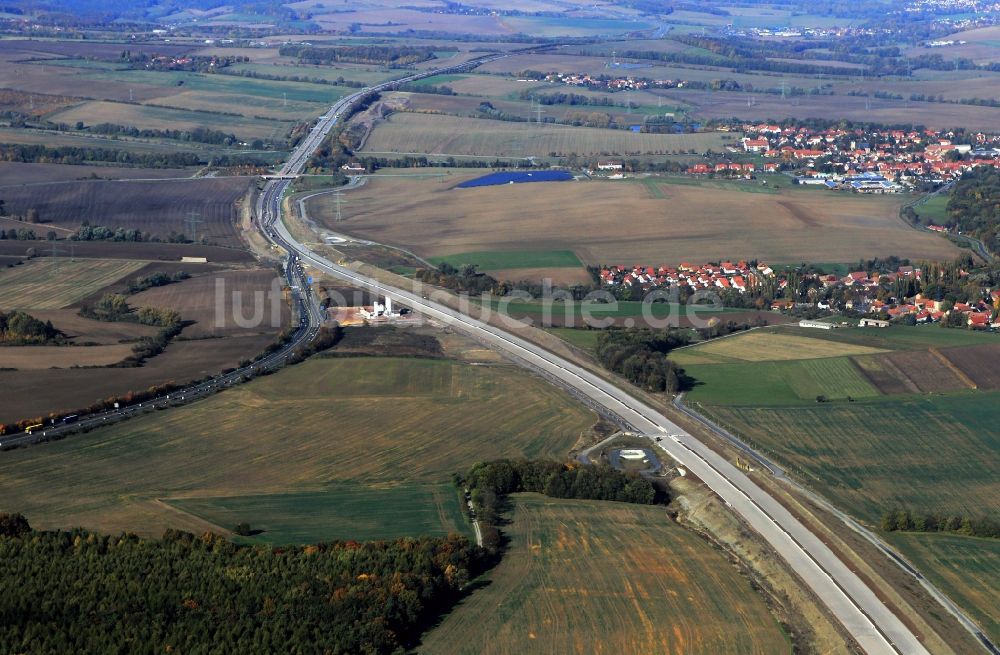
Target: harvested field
(760, 346)
(397, 422)
(593, 577)
(401, 20)
(86, 330)
(927, 372)
(44, 357)
(53, 139)
(38, 392)
(935, 115)
(450, 135)
(252, 297)
(57, 283)
(158, 207)
(980, 46)
(981, 364)
(156, 252)
(559, 276)
(936, 453)
(885, 375)
(435, 219)
(15, 173)
(146, 117)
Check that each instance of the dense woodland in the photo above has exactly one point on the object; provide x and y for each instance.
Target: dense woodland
(80, 592)
(640, 355)
(974, 206)
(490, 482)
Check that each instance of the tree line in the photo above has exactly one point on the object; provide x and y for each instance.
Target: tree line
(27, 154)
(189, 593)
(488, 484)
(640, 356)
(899, 520)
(387, 55)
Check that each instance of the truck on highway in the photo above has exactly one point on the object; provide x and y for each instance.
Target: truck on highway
(33, 428)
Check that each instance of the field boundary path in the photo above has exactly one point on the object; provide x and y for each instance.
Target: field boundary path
(874, 627)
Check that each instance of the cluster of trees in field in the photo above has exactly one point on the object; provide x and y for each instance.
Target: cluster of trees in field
(115, 307)
(102, 233)
(422, 87)
(640, 356)
(17, 234)
(20, 328)
(562, 98)
(158, 279)
(974, 206)
(464, 279)
(189, 593)
(490, 482)
(87, 232)
(900, 520)
(384, 55)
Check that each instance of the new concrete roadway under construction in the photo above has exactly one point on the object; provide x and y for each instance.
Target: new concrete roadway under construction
(873, 626)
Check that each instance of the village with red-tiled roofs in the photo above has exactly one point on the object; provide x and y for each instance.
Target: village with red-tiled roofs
(874, 161)
(861, 292)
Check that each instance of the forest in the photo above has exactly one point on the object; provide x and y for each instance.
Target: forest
(974, 206)
(640, 355)
(81, 592)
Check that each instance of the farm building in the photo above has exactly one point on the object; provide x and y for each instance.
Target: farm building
(873, 322)
(609, 166)
(816, 324)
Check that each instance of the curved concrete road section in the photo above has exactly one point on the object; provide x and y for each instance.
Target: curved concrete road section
(875, 628)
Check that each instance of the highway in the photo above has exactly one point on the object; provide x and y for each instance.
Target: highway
(309, 317)
(873, 626)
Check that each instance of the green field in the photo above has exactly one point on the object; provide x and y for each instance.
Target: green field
(388, 422)
(228, 84)
(504, 259)
(340, 512)
(778, 382)
(581, 338)
(938, 453)
(965, 568)
(600, 577)
(934, 210)
(155, 117)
